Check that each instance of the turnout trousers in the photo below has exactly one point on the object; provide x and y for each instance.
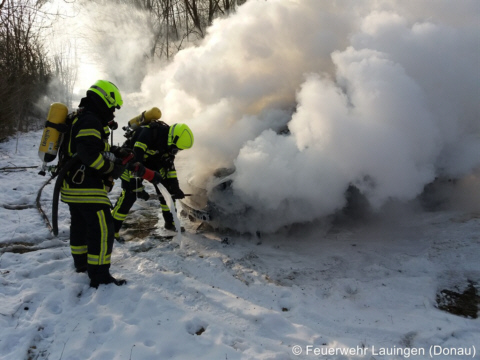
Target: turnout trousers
(91, 238)
(126, 200)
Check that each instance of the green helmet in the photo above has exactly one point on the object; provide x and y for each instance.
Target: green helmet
(108, 92)
(180, 136)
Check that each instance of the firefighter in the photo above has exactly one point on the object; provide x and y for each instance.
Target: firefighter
(84, 187)
(155, 146)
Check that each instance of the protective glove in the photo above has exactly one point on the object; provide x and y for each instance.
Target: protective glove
(178, 194)
(141, 171)
(174, 188)
(117, 170)
(114, 167)
(155, 177)
(125, 154)
(109, 183)
(137, 169)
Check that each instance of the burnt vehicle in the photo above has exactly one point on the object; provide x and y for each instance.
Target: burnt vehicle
(218, 206)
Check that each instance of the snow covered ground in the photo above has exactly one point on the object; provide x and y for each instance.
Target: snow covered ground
(363, 291)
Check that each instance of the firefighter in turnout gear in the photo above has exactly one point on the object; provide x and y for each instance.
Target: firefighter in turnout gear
(155, 146)
(87, 182)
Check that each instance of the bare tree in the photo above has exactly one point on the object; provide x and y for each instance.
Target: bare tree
(65, 71)
(24, 71)
(174, 21)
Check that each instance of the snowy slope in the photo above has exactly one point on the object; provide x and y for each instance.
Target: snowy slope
(368, 290)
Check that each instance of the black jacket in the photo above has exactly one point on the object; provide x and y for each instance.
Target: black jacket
(88, 139)
(150, 144)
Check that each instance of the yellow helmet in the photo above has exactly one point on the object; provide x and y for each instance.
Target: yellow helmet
(180, 137)
(109, 92)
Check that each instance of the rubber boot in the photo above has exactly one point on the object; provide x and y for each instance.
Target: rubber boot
(80, 262)
(120, 239)
(100, 274)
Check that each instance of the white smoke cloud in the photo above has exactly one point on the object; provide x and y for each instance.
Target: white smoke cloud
(243, 78)
(111, 41)
(379, 94)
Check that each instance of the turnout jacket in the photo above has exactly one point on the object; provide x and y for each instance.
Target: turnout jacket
(87, 140)
(150, 146)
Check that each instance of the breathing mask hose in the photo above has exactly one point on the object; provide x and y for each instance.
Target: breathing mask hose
(56, 191)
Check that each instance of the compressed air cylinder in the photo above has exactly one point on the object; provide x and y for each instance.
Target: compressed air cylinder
(145, 118)
(51, 137)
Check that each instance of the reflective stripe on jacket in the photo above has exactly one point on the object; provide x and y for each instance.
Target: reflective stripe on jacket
(84, 182)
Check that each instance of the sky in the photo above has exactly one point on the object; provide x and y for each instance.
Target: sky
(382, 95)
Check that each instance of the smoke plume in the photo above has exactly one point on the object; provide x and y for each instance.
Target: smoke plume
(305, 98)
